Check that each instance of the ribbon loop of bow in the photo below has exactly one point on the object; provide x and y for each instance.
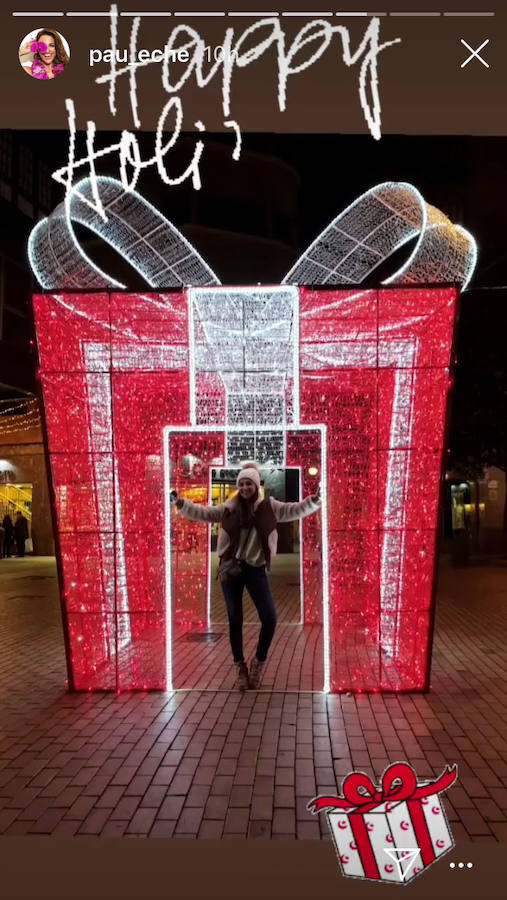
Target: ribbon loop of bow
(399, 782)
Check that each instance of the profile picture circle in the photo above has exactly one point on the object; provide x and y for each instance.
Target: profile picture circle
(44, 54)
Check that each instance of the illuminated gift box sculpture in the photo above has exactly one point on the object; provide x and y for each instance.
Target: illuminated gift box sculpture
(143, 391)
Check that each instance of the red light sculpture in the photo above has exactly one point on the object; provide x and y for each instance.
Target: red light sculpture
(362, 400)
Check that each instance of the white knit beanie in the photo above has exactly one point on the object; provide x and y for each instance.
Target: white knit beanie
(252, 472)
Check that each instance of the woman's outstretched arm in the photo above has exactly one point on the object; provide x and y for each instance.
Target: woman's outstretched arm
(289, 512)
(198, 512)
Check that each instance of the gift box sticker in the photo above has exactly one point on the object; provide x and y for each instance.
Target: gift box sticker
(391, 832)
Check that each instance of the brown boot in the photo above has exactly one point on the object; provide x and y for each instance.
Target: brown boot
(255, 673)
(241, 676)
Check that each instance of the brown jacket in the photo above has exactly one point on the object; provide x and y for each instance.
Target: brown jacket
(264, 522)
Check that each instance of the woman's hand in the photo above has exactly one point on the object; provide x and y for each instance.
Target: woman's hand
(26, 48)
(177, 501)
(316, 496)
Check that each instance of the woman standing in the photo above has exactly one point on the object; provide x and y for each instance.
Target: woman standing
(246, 545)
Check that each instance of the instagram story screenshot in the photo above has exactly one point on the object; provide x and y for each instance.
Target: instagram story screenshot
(253, 450)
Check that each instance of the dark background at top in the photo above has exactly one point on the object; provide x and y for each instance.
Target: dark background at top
(422, 88)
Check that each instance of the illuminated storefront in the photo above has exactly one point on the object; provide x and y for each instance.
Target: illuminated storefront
(23, 477)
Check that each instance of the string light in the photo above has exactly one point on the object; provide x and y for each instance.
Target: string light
(376, 225)
(18, 405)
(19, 415)
(21, 429)
(131, 226)
(187, 598)
(371, 229)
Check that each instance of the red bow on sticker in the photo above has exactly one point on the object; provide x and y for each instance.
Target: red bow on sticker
(399, 782)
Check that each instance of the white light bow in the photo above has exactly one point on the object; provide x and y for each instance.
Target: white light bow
(361, 238)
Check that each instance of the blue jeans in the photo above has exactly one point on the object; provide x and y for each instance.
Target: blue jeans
(255, 580)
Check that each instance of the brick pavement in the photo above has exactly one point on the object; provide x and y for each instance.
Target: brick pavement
(296, 655)
(212, 764)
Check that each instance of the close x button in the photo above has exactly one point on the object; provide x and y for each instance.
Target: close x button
(474, 54)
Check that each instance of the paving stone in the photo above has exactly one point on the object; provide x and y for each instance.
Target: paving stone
(474, 822)
(111, 797)
(198, 795)
(95, 821)
(171, 807)
(284, 776)
(236, 821)
(125, 809)
(262, 807)
(284, 821)
(189, 821)
(308, 830)
(211, 829)
(260, 829)
(114, 829)
(216, 807)
(284, 796)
